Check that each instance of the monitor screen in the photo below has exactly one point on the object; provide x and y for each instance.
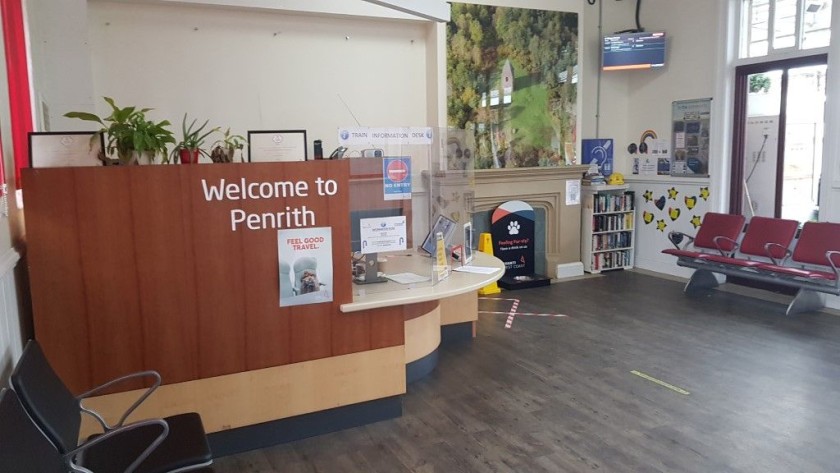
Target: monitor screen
(623, 51)
(356, 217)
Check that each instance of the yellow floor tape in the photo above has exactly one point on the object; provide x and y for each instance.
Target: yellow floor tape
(661, 383)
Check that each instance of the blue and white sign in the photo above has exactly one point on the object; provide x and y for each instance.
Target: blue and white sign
(383, 136)
(396, 178)
(383, 234)
(600, 152)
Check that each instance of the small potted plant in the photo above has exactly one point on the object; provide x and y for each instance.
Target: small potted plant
(129, 134)
(224, 148)
(189, 148)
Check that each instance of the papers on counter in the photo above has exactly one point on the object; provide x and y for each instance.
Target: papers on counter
(477, 269)
(407, 278)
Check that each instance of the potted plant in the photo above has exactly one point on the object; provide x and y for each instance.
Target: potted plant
(129, 134)
(224, 148)
(189, 148)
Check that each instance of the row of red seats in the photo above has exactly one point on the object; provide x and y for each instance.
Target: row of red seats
(764, 253)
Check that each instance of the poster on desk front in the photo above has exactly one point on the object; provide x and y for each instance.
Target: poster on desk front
(304, 260)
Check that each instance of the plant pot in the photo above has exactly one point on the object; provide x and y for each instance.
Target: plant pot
(134, 157)
(222, 155)
(188, 156)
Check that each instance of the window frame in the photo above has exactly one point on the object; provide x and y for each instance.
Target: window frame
(746, 31)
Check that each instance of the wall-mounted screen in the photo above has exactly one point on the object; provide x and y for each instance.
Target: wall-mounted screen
(623, 51)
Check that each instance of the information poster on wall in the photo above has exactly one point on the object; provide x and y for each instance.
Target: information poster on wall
(690, 137)
(304, 259)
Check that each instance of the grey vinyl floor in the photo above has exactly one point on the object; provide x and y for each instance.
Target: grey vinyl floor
(557, 394)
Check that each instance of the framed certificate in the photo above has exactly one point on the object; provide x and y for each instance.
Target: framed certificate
(273, 146)
(65, 149)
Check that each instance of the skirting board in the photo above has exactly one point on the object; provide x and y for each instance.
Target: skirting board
(243, 439)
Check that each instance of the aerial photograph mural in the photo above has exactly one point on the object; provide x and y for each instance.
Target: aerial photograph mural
(512, 85)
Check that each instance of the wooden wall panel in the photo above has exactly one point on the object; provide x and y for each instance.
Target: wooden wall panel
(165, 275)
(133, 268)
(386, 327)
(268, 332)
(55, 274)
(220, 274)
(350, 332)
(109, 270)
(311, 324)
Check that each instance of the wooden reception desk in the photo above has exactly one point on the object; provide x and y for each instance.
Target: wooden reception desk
(138, 267)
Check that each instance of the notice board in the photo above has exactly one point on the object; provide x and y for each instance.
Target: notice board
(690, 129)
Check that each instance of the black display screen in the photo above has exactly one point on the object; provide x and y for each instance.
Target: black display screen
(633, 51)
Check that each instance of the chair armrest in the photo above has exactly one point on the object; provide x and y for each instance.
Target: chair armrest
(830, 256)
(767, 249)
(119, 431)
(721, 238)
(98, 389)
(676, 238)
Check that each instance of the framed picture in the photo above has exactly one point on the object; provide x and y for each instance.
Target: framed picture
(271, 146)
(443, 225)
(468, 243)
(65, 149)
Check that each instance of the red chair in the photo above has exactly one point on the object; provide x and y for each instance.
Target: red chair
(718, 233)
(818, 245)
(767, 238)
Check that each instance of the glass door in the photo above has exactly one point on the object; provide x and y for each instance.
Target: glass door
(777, 141)
(803, 143)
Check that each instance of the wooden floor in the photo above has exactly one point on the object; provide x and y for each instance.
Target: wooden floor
(557, 394)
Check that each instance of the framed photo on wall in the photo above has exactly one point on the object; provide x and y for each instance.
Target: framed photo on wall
(65, 149)
(271, 146)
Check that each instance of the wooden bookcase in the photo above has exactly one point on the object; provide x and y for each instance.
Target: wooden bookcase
(607, 228)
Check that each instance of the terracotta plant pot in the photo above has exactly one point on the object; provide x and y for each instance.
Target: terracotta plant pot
(189, 156)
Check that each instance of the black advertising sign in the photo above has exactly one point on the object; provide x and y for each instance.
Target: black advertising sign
(512, 227)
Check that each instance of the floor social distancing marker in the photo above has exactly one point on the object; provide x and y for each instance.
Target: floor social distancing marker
(512, 313)
(661, 383)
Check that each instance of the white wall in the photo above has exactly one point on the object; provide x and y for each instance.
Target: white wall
(60, 63)
(643, 101)
(830, 192)
(610, 119)
(258, 70)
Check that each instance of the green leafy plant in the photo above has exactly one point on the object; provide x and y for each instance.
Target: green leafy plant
(129, 134)
(192, 138)
(224, 148)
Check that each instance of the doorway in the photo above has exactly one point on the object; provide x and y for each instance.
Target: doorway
(777, 140)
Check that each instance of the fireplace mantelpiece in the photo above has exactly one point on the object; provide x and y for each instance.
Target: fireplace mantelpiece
(542, 188)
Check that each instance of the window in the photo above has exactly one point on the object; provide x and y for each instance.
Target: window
(771, 26)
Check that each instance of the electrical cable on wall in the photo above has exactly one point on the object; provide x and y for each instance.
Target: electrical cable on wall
(750, 203)
(638, 28)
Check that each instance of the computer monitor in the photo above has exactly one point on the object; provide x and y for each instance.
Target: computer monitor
(365, 266)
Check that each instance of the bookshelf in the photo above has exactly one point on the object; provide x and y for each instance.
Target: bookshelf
(607, 228)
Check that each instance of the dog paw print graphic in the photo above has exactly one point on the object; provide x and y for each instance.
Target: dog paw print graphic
(513, 228)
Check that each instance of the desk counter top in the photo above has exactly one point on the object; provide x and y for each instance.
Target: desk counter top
(392, 294)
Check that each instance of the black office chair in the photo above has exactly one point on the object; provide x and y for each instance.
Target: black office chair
(58, 413)
(25, 448)
(22, 446)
